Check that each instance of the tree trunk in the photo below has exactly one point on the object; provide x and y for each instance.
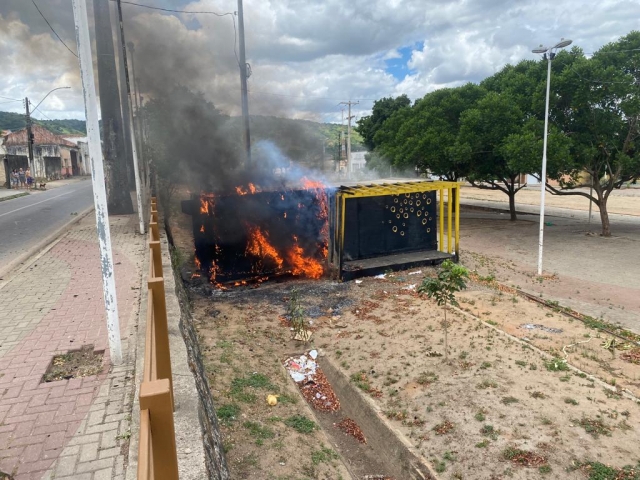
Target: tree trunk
(512, 204)
(604, 218)
(118, 196)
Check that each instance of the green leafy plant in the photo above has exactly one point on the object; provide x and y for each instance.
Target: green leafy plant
(450, 280)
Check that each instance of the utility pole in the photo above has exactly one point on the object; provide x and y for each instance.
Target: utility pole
(349, 117)
(29, 138)
(137, 119)
(127, 106)
(97, 177)
(244, 75)
(118, 194)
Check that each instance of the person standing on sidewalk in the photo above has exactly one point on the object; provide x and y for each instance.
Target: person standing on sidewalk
(29, 178)
(22, 178)
(14, 178)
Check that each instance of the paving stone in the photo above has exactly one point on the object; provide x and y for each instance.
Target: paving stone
(54, 430)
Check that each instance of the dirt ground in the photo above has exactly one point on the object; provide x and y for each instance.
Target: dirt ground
(625, 201)
(497, 409)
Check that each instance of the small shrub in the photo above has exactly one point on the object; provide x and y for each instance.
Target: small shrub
(480, 416)
(556, 364)
(570, 401)
(509, 400)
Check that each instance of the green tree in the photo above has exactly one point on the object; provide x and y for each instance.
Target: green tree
(384, 108)
(450, 280)
(424, 136)
(600, 111)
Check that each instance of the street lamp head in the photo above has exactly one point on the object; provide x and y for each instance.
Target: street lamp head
(563, 43)
(540, 49)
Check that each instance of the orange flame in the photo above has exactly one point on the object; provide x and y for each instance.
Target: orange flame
(202, 229)
(301, 265)
(204, 205)
(196, 261)
(310, 184)
(259, 246)
(251, 188)
(213, 272)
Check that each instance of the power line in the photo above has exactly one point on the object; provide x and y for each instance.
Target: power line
(12, 99)
(176, 11)
(308, 96)
(54, 32)
(602, 82)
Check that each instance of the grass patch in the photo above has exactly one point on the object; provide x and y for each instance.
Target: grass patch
(593, 426)
(489, 431)
(570, 401)
(228, 413)
(240, 384)
(324, 455)
(301, 424)
(509, 400)
(259, 432)
(556, 364)
(486, 383)
(483, 444)
(480, 416)
(427, 378)
(600, 471)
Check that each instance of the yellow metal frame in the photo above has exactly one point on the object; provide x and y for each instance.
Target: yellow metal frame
(452, 190)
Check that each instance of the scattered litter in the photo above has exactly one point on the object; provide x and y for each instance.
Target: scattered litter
(632, 356)
(566, 355)
(415, 273)
(382, 276)
(350, 427)
(313, 384)
(358, 282)
(411, 287)
(377, 477)
(303, 335)
(533, 326)
(272, 400)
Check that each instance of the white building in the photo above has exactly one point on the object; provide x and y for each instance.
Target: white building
(358, 161)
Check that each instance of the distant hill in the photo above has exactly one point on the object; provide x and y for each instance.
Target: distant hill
(16, 121)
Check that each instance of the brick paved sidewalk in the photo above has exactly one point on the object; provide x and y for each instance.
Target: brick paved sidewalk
(76, 428)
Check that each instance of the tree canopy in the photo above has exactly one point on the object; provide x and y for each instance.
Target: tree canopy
(492, 133)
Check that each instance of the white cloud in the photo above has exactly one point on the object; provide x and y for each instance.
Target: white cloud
(306, 56)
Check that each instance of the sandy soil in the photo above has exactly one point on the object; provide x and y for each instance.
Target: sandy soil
(494, 397)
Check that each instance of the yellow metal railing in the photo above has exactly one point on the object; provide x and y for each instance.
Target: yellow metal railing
(157, 447)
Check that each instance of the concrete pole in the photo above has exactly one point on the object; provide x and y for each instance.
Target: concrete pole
(243, 82)
(97, 177)
(127, 107)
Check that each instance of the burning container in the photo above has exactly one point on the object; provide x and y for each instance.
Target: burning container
(252, 235)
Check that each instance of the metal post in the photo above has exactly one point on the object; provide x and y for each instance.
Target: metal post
(243, 82)
(29, 144)
(97, 177)
(543, 176)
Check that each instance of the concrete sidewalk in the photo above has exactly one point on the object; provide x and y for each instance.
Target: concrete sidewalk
(76, 428)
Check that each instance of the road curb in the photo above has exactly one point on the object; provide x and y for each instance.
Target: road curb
(43, 244)
(11, 197)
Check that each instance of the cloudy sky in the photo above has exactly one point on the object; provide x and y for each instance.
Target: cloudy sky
(306, 56)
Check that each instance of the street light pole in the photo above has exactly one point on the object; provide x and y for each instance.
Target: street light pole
(31, 162)
(549, 54)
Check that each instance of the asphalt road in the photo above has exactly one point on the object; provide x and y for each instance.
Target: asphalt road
(26, 221)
